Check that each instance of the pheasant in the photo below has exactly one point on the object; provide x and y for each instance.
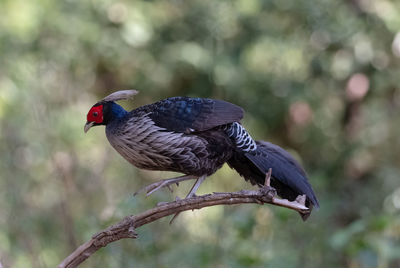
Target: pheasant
(196, 136)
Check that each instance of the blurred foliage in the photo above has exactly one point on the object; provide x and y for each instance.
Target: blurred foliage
(320, 78)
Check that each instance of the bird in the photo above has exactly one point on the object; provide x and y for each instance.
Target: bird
(196, 137)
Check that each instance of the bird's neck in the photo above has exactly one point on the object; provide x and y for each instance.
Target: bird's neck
(113, 112)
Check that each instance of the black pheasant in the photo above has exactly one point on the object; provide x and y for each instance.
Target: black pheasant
(196, 136)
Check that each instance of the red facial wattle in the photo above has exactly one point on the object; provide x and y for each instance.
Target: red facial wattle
(95, 114)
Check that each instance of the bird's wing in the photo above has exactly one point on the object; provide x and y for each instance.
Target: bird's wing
(183, 114)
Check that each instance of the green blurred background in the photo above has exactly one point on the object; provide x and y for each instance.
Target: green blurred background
(320, 78)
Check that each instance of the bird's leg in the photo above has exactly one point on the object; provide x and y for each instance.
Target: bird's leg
(192, 193)
(267, 182)
(196, 186)
(149, 189)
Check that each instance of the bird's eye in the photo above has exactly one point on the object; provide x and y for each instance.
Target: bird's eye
(95, 114)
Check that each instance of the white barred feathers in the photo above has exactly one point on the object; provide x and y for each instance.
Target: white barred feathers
(242, 138)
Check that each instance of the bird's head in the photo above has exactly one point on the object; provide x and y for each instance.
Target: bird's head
(102, 112)
(95, 116)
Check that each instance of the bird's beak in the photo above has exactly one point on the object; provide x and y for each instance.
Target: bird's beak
(88, 125)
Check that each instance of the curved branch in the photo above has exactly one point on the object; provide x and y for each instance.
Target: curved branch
(126, 227)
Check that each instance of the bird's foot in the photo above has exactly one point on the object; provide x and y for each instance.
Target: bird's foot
(267, 190)
(149, 189)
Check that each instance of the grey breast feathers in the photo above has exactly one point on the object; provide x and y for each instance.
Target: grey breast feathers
(148, 146)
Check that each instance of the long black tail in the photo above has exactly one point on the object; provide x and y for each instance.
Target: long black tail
(288, 177)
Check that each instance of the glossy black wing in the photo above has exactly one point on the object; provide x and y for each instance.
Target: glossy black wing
(183, 114)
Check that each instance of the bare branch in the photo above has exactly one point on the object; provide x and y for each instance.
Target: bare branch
(126, 227)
